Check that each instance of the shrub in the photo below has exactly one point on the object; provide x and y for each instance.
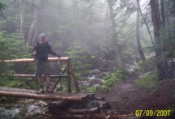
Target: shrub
(12, 46)
(149, 81)
(148, 65)
(80, 60)
(90, 90)
(112, 78)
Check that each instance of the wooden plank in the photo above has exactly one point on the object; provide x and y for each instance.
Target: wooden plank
(72, 73)
(62, 59)
(33, 75)
(23, 93)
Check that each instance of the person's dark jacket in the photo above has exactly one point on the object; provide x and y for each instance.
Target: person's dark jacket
(42, 51)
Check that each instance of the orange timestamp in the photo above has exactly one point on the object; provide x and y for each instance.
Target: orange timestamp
(162, 113)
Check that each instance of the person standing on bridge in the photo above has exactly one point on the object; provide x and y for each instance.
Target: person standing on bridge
(41, 51)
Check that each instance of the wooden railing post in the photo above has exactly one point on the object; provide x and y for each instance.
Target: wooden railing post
(69, 76)
(74, 78)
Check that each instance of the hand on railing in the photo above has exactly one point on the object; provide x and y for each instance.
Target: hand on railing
(57, 54)
(34, 53)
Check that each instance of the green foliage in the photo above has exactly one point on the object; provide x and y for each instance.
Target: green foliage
(113, 78)
(148, 81)
(30, 84)
(167, 38)
(172, 112)
(4, 99)
(11, 46)
(90, 90)
(148, 65)
(14, 83)
(9, 81)
(80, 60)
(2, 6)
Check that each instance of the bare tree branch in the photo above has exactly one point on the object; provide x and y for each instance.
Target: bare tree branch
(2, 6)
(146, 25)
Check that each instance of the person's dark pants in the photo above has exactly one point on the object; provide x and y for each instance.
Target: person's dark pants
(43, 75)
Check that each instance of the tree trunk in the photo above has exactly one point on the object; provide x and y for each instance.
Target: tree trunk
(115, 43)
(155, 14)
(138, 33)
(33, 28)
(156, 19)
(163, 12)
(22, 8)
(174, 8)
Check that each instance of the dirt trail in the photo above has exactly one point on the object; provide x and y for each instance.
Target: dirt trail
(126, 95)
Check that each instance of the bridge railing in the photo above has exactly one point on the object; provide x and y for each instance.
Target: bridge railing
(67, 73)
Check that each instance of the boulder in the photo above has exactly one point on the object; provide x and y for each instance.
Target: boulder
(83, 83)
(92, 105)
(144, 75)
(96, 72)
(96, 81)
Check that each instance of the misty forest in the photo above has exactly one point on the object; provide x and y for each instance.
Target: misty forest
(118, 55)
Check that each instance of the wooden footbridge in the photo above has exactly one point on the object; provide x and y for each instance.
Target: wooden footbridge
(67, 73)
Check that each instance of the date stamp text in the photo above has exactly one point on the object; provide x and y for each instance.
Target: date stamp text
(158, 113)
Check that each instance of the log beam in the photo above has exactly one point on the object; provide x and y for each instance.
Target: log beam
(52, 59)
(21, 93)
(33, 75)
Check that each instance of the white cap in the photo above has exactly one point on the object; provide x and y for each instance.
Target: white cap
(41, 35)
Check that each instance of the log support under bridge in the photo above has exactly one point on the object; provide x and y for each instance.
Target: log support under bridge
(67, 73)
(26, 93)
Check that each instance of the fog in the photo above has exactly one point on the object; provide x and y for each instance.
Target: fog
(78, 23)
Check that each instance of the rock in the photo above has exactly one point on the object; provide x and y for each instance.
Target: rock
(95, 72)
(2, 108)
(33, 110)
(58, 104)
(105, 74)
(144, 75)
(90, 105)
(59, 87)
(42, 103)
(15, 112)
(99, 76)
(100, 98)
(83, 83)
(104, 105)
(10, 114)
(133, 69)
(97, 103)
(96, 81)
(97, 86)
